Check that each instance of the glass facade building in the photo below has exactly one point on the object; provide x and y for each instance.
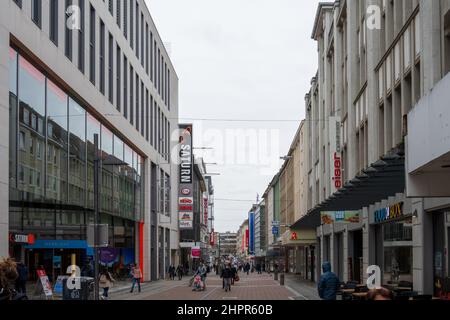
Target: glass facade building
(51, 171)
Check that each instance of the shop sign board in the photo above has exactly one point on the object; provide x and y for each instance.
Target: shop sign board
(186, 220)
(185, 196)
(335, 153)
(45, 283)
(275, 230)
(389, 213)
(331, 217)
(22, 238)
(196, 252)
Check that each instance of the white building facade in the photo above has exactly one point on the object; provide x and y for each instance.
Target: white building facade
(368, 120)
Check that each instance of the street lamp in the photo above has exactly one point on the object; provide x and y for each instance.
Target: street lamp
(110, 160)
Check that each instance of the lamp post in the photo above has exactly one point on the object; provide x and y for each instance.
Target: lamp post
(108, 161)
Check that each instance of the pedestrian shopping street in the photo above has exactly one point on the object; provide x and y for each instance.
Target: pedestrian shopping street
(251, 287)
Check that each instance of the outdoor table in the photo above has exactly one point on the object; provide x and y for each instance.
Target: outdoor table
(402, 289)
(348, 290)
(360, 295)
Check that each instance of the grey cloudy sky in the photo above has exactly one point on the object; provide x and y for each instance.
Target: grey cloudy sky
(240, 59)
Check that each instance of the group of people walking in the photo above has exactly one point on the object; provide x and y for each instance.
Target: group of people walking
(173, 272)
(106, 280)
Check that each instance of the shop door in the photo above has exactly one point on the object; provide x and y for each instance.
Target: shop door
(439, 267)
(357, 255)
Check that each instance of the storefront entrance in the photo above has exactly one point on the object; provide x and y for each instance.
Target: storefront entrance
(54, 261)
(440, 274)
(356, 259)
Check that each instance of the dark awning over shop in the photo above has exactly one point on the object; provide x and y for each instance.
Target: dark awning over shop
(382, 179)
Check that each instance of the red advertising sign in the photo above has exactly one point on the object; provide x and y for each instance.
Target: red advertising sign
(247, 237)
(205, 210)
(185, 208)
(186, 200)
(196, 252)
(337, 177)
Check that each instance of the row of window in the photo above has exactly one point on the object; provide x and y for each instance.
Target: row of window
(54, 154)
(114, 76)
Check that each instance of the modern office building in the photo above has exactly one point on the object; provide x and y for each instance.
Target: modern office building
(227, 244)
(378, 61)
(72, 71)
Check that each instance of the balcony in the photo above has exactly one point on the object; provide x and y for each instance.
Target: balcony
(428, 144)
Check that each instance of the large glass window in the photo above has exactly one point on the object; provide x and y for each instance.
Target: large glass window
(119, 154)
(13, 121)
(398, 251)
(77, 162)
(107, 172)
(126, 197)
(32, 111)
(57, 143)
(92, 129)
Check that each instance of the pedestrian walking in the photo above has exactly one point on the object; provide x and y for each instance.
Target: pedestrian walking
(226, 276)
(136, 273)
(329, 284)
(172, 272)
(233, 274)
(247, 268)
(180, 272)
(21, 281)
(105, 282)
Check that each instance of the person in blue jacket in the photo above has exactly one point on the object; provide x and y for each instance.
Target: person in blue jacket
(329, 284)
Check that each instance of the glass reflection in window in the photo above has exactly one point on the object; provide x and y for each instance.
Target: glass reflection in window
(77, 178)
(31, 101)
(57, 138)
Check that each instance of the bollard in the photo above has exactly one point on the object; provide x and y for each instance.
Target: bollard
(282, 279)
(276, 276)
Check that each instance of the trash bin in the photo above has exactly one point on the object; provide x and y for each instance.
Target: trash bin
(282, 279)
(84, 293)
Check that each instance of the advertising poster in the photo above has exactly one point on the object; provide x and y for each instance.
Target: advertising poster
(330, 217)
(196, 252)
(185, 196)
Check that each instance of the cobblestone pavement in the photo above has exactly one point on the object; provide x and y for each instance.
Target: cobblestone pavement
(251, 287)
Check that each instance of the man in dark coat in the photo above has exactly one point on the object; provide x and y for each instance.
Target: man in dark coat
(328, 285)
(21, 281)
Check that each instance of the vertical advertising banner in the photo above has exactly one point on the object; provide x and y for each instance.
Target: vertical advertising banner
(185, 196)
(251, 227)
(335, 154)
(246, 238)
(205, 210)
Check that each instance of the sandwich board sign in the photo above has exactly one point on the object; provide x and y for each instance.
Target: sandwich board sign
(43, 284)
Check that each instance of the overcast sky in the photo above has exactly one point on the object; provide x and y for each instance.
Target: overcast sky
(240, 60)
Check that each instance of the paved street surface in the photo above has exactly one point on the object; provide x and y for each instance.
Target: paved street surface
(251, 287)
